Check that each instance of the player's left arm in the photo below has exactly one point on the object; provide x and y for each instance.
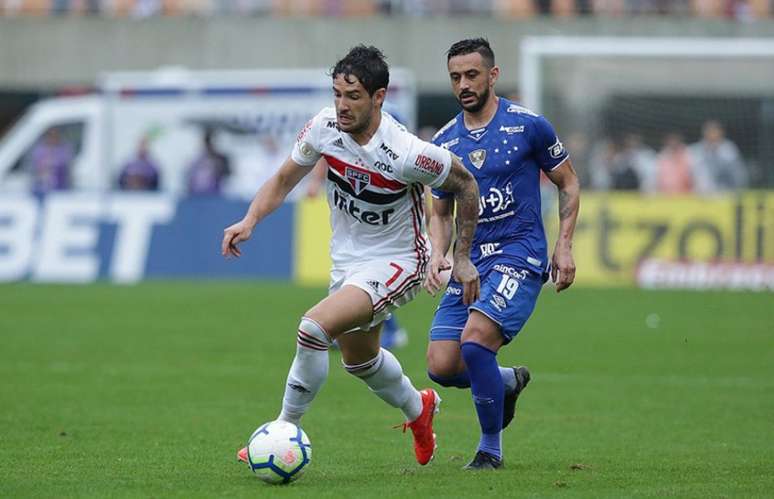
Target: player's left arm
(562, 263)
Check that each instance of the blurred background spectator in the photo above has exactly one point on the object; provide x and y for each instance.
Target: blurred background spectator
(718, 164)
(674, 166)
(208, 171)
(141, 173)
(50, 161)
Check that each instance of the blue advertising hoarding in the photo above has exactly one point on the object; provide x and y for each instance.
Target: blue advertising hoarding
(78, 237)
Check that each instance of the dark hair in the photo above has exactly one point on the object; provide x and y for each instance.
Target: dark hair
(367, 64)
(470, 45)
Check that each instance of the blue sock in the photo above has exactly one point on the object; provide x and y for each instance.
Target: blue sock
(486, 383)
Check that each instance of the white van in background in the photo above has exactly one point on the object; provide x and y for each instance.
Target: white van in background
(254, 117)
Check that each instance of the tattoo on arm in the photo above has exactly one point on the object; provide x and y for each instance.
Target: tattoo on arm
(569, 201)
(440, 225)
(465, 190)
(565, 208)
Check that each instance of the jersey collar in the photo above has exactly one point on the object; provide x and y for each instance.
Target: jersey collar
(477, 134)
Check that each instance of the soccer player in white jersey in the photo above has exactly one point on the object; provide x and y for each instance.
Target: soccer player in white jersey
(379, 248)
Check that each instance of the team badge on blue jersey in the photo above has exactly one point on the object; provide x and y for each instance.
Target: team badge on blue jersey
(477, 157)
(358, 180)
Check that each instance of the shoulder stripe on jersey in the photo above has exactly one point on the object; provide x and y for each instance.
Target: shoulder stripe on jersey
(365, 195)
(377, 179)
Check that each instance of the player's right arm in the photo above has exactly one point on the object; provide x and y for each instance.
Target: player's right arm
(268, 198)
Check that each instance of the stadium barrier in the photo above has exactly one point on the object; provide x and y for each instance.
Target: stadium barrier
(621, 240)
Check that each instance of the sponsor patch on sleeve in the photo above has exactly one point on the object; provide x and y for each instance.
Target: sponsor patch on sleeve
(306, 150)
(557, 150)
(428, 165)
(304, 131)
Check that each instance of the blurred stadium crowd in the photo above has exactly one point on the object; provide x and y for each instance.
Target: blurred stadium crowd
(740, 10)
(709, 166)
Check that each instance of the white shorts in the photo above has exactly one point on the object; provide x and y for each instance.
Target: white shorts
(390, 283)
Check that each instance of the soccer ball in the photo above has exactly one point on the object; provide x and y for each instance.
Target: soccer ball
(279, 452)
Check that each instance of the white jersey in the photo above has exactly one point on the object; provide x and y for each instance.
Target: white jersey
(374, 191)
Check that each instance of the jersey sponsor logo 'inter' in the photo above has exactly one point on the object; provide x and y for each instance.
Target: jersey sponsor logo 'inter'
(357, 179)
(349, 206)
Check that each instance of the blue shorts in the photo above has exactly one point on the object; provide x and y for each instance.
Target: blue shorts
(509, 293)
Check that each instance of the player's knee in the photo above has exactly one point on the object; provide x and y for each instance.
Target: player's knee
(443, 359)
(448, 379)
(474, 334)
(357, 353)
(312, 335)
(441, 366)
(365, 369)
(483, 332)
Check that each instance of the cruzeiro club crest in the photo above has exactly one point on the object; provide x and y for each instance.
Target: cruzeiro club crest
(358, 180)
(477, 157)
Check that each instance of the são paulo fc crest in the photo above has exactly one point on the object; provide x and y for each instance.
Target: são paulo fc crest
(357, 179)
(477, 157)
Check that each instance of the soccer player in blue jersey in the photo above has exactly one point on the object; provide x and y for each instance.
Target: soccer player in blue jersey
(505, 147)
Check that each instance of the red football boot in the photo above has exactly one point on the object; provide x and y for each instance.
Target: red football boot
(242, 455)
(422, 427)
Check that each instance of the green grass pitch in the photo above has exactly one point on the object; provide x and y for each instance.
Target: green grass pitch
(149, 390)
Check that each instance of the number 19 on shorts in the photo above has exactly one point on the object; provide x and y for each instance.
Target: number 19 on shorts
(508, 286)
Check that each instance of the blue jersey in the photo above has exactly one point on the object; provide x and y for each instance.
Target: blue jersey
(506, 157)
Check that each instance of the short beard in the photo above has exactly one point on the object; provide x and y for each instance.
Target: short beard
(356, 129)
(480, 103)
